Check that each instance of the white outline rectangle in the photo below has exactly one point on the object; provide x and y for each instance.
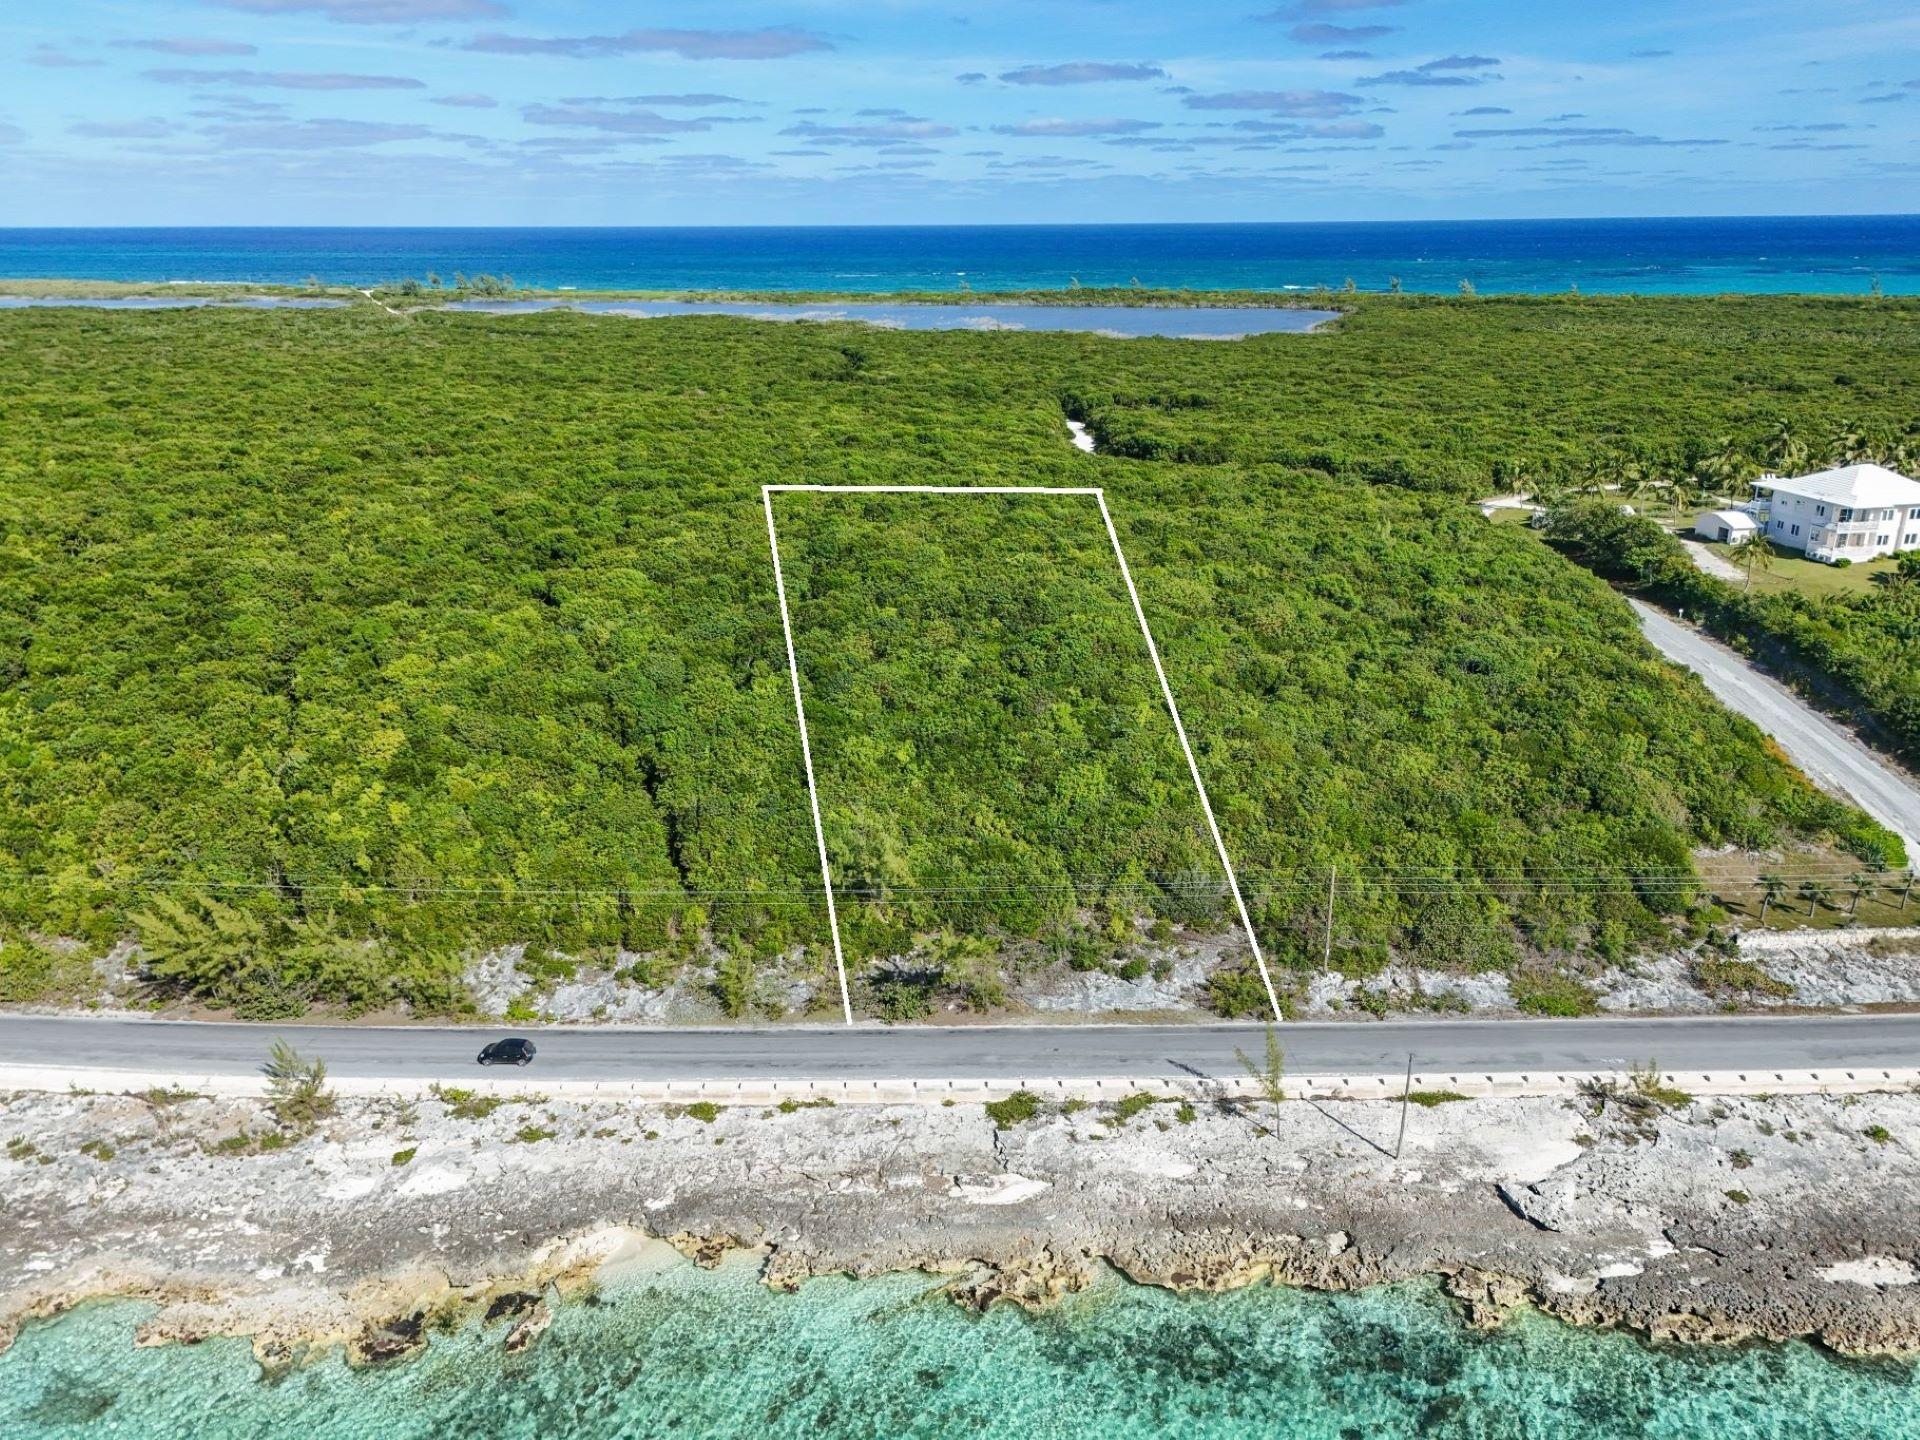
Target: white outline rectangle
(767, 492)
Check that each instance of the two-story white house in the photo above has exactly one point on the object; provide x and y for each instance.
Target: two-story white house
(1856, 512)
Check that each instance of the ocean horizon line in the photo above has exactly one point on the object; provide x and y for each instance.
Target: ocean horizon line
(1471, 220)
(1698, 255)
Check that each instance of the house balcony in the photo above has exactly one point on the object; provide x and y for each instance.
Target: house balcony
(1848, 542)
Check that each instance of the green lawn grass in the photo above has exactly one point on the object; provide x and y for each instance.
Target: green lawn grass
(1790, 572)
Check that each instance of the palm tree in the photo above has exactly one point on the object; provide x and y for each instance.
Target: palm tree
(1847, 447)
(1547, 491)
(1631, 477)
(1816, 893)
(1773, 890)
(1786, 451)
(1904, 578)
(1725, 466)
(1861, 887)
(1752, 550)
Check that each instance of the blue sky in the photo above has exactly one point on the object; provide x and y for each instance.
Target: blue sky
(596, 112)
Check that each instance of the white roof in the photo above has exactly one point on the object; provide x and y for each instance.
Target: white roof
(1852, 485)
(1734, 518)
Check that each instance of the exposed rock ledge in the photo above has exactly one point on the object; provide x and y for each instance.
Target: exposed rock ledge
(1715, 1221)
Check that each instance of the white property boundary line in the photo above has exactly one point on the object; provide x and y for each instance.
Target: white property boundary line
(1833, 1080)
(767, 492)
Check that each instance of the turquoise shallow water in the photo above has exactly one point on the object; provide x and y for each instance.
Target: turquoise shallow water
(1818, 254)
(680, 1352)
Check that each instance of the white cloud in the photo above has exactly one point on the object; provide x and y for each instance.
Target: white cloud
(188, 45)
(771, 43)
(1063, 127)
(1082, 72)
(285, 79)
(373, 12)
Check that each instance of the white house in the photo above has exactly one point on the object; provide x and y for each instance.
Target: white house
(1856, 512)
(1725, 526)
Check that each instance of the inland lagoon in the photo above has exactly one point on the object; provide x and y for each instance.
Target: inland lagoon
(669, 1349)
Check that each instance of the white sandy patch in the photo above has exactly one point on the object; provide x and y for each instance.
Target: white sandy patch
(1875, 1270)
(1082, 438)
(1523, 1158)
(1586, 1284)
(1007, 1189)
(1158, 1164)
(434, 1180)
(633, 1254)
(351, 1187)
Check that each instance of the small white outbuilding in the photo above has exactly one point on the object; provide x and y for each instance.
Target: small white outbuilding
(1725, 526)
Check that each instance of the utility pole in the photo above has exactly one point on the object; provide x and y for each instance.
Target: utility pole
(1406, 1098)
(1326, 954)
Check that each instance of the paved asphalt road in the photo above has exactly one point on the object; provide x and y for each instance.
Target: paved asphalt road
(1832, 758)
(978, 1052)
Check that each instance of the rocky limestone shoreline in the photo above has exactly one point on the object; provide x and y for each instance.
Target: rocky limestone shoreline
(1712, 1220)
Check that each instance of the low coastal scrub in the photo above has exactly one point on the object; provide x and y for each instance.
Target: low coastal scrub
(1015, 1109)
(1858, 653)
(1718, 975)
(1648, 1084)
(336, 648)
(1132, 1105)
(1237, 992)
(465, 1104)
(297, 1092)
(33, 974)
(1540, 992)
(1491, 395)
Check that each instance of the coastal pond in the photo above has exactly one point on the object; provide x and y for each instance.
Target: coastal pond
(1126, 322)
(1167, 322)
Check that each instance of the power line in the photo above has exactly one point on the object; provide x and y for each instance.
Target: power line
(505, 890)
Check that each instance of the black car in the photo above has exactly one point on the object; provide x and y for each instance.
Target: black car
(508, 1052)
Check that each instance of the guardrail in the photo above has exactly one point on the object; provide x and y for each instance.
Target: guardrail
(1471, 1085)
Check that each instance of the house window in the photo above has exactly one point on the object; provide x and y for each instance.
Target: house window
(1881, 540)
(1796, 529)
(1821, 511)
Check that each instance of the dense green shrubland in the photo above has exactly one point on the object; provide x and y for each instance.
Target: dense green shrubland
(1859, 652)
(1467, 397)
(333, 645)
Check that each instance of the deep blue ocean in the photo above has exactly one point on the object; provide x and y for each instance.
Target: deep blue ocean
(1825, 255)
